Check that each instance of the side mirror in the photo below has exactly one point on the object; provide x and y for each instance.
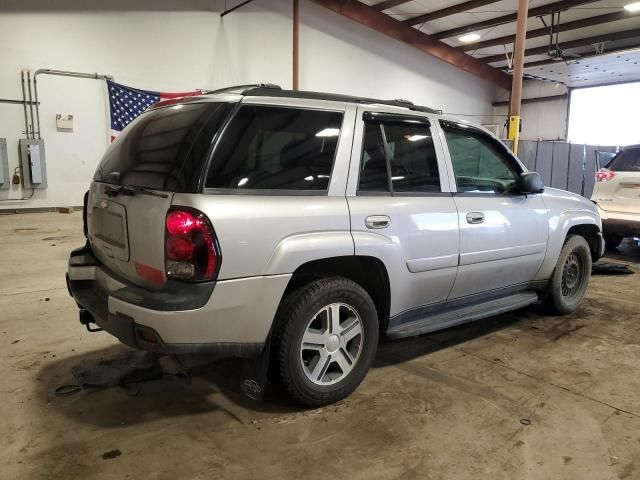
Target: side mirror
(530, 182)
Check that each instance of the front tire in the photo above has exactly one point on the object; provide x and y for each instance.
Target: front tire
(326, 339)
(570, 278)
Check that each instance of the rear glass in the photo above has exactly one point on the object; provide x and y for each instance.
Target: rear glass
(164, 149)
(626, 161)
(276, 148)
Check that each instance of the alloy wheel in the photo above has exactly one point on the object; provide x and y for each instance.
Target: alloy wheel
(331, 344)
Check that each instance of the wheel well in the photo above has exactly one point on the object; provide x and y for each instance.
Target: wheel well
(369, 272)
(591, 235)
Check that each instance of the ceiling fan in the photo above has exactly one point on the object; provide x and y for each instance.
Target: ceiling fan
(555, 52)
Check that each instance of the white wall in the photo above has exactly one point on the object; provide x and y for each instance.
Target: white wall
(164, 46)
(543, 120)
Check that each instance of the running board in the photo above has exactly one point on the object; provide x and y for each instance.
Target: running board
(457, 316)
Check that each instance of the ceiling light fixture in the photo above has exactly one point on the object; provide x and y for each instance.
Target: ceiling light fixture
(470, 37)
(632, 7)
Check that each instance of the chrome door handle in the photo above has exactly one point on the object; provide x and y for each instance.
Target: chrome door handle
(377, 221)
(475, 217)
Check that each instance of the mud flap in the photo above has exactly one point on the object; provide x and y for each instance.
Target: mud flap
(254, 378)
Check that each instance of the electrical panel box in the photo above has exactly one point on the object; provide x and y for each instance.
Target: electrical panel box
(33, 164)
(5, 175)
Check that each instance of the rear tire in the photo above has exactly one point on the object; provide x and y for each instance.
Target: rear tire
(326, 337)
(570, 278)
(612, 240)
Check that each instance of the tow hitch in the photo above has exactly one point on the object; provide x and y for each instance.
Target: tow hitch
(87, 319)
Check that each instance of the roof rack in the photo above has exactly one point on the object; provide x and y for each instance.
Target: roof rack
(271, 90)
(339, 98)
(242, 89)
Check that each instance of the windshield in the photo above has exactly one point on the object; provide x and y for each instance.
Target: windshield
(164, 148)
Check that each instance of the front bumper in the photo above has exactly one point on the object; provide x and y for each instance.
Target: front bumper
(228, 318)
(600, 248)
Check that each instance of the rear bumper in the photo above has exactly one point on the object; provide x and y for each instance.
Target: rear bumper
(229, 318)
(620, 223)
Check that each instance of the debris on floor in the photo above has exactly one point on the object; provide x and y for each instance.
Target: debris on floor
(111, 454)
(123, 370)
(611, 268)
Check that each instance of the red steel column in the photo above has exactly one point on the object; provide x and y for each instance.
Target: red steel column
(518, 66)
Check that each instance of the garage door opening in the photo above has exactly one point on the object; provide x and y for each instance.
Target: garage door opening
(606, 115)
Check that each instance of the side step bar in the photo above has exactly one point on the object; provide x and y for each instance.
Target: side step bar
(457, 316)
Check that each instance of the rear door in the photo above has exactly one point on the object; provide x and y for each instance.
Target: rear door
(620, 191)
(159, 153)
(401, 211)
(503, 234)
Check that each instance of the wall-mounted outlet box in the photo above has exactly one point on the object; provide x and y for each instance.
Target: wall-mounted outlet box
(5, 175)
(32, 160)
(64, 122)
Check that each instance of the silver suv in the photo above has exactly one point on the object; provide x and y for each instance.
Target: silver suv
(296, 227)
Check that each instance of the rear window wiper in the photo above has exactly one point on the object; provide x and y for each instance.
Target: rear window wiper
(132, 190)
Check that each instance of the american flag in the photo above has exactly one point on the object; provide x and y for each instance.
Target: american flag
(126, 103)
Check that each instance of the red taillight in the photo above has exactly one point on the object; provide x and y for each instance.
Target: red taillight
(191, 248)
(604, 175)
(179, 248)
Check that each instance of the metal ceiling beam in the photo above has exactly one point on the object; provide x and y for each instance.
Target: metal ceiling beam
(388, 4)
(448, 11)
(586, 58)
(398, 30)
(533, 12)
(526, 101)
(581, 42)
(541, 32)
(538, 63)
(232, 9)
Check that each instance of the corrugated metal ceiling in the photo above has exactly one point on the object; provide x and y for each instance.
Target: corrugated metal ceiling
(601, 67)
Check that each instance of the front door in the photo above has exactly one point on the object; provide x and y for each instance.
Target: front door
(401, 211)
(503, 234)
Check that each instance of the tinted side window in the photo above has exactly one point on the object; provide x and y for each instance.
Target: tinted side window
(164, 148)
(403, 149)
(412, 157)
(478, 163)
(626, 161)
(276, 148)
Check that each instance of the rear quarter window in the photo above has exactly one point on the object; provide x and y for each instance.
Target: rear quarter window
(164, 148)
(276, 148)
(626, 161)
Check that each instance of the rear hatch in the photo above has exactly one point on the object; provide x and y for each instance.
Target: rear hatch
(160, 153)
(620, 192)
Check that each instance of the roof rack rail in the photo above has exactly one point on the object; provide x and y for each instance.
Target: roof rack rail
(269, 89)
(243, 89)
(402, 100)
(421, 108)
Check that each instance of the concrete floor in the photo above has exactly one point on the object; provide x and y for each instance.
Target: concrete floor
(518, 396)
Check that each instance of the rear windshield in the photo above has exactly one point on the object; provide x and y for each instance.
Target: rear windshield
(268, 148)
(626, 161)
(164, 149)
